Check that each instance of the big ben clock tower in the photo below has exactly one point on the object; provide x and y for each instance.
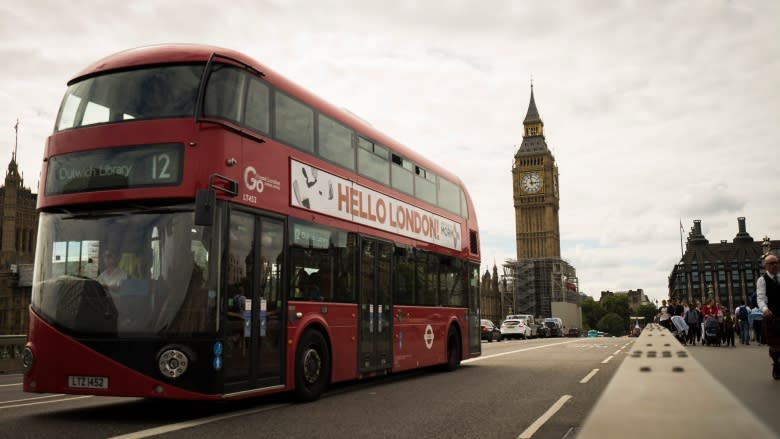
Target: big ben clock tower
(535, 188)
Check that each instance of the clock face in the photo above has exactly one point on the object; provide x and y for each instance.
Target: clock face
(531, 182)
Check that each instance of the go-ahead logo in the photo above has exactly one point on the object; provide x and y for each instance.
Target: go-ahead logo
(252, 181)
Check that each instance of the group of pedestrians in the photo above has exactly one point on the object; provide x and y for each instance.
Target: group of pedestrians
(711, 322)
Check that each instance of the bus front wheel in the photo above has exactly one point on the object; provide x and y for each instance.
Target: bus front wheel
(312, 366)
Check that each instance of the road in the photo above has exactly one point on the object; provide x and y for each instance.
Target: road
(503, 394)
(746, 372)
(518, 389)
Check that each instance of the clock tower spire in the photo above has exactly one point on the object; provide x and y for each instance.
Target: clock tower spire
(535, 189)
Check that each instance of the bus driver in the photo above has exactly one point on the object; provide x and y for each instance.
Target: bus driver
(112, 275)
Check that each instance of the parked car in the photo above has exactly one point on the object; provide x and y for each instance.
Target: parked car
(554, 326)
(529, 321)
(574, 332)
(593, 333)
(489, 331)
(515, 328)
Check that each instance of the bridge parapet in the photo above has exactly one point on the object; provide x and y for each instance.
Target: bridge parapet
(661, 391)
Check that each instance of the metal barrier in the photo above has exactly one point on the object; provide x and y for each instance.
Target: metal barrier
(11, 353)
(655, 393)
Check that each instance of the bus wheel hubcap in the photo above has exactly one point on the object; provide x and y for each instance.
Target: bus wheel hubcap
(311, 365)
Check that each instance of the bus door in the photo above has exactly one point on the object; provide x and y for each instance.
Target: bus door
(254, 349)
(375, 307)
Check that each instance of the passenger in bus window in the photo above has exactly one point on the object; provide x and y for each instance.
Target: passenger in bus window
(112, 275)
(313, 289)
(237, 302)
(299, 283)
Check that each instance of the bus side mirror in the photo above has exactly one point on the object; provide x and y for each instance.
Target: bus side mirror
(205, 205)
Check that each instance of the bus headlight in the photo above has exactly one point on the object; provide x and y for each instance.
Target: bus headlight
(173, 363)
(27, 359)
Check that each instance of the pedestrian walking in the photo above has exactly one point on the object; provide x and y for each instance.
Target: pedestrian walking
(743, 316)
(663, 316)
(768, 292)
(757, 323)
(728, 329)
(692, 319)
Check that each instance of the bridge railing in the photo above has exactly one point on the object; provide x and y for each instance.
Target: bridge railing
(660, 391)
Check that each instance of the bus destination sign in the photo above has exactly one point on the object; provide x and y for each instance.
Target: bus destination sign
(115, 168)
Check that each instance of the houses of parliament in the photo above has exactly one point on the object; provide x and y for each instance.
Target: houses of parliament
(18, 230)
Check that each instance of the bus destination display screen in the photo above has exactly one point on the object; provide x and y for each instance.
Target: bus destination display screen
(115, 168)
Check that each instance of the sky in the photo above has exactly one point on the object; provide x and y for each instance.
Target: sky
(658, 112)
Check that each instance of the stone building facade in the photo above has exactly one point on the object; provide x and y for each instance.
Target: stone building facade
(725, 271)
(18, 231)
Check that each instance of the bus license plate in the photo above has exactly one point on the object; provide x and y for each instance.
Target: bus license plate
(84, 382)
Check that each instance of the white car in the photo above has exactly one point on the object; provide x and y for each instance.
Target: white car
(515, 328)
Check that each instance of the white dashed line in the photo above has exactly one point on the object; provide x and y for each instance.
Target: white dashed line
(589, 376)
(544, 418)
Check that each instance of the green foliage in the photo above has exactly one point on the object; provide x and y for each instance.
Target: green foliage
(592, 312)
(612, 324)
(648, 312)
(617, 304)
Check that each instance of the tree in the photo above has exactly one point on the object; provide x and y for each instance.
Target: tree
(612, 324)
(592, 312)
(617, 304)
(648, 312)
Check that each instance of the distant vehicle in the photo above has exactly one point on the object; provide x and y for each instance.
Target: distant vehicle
(573, 332)
(529, 320)
(489, 331)
(515, 328)
(554, 326)
(593, 333)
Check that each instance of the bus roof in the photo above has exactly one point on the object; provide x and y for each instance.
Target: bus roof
(183, 53)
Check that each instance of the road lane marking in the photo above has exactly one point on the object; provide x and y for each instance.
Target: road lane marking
(589, 376)
(9, 385)
(44, 402)
(33, 398)
(544, 418)
(606, 360)
(194, 423)
(471, 360)
(617, 351)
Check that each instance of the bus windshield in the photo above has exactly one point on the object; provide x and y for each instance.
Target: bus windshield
(123, 273)
(149, 93)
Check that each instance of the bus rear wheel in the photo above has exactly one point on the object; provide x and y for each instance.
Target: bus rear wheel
(453, 350)
(312, 366)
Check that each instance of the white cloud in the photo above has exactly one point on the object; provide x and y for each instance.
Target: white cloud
(656, 111)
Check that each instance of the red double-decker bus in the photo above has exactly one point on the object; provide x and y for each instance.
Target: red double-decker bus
(208, 230)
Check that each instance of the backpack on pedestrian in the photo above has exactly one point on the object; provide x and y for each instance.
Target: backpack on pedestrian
(691, 317)
(743, 313)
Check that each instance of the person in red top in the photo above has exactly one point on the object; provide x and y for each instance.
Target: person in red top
(709, 309)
